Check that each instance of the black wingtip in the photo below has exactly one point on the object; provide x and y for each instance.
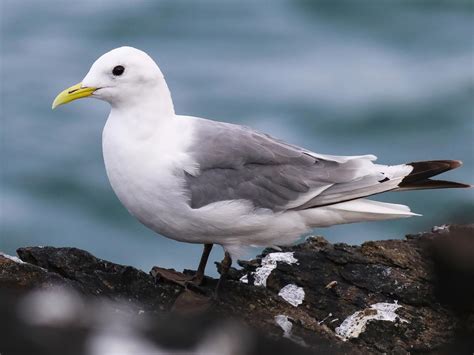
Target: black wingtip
(419, 178)
(454, 164)
(423, 170)
(432, 184)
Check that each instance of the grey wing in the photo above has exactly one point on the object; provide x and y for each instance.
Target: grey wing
(237, 163)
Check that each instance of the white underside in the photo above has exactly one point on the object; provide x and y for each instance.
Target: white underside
(145, 168)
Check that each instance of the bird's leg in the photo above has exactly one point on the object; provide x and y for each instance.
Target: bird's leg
(199, 277)
(182, 279)
(225, 266)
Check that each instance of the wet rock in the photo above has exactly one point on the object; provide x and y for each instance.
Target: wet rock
(392, 296)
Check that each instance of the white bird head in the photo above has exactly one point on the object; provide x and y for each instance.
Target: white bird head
(124, 75)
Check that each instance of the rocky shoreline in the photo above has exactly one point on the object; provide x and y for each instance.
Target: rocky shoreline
(413, 295)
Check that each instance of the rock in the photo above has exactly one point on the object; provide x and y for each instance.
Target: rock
(391, 296)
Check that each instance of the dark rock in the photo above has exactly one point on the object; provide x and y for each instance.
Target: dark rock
(413, 295)
(92, 276)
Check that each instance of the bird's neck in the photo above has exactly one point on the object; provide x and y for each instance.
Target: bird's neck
(146, 115)
(152, 103)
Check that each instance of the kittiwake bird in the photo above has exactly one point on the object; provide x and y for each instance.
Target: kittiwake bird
(200, 181)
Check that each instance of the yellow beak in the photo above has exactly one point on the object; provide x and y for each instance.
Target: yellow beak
(73, 93)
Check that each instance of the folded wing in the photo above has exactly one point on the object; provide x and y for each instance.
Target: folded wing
(238, 163)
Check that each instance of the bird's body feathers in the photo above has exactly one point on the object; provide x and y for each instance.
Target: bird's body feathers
(201, 181)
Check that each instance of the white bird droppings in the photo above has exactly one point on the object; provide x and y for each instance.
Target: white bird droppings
(285, 324)
(292, 294)
(442, 228)
(269, 263)
(355, 324)
(12, 258)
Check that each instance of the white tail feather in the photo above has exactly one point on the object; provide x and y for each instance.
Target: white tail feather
(374, 207)
(360, 210)
(370, 179)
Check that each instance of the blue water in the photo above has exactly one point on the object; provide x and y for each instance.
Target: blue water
(384, 77)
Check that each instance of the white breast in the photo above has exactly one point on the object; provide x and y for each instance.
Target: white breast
(145, 165)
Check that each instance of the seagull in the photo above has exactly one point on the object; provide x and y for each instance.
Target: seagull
(197, 180)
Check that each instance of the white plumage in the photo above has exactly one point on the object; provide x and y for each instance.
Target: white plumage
(146, 145)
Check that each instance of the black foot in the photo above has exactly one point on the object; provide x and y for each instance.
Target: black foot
(224, 270)
(170, 275)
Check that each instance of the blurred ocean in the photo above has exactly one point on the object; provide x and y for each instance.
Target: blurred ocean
(384, 77)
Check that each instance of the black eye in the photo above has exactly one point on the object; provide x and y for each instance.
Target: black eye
(118, 70)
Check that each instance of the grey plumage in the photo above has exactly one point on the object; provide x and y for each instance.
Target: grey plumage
(238, 163)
